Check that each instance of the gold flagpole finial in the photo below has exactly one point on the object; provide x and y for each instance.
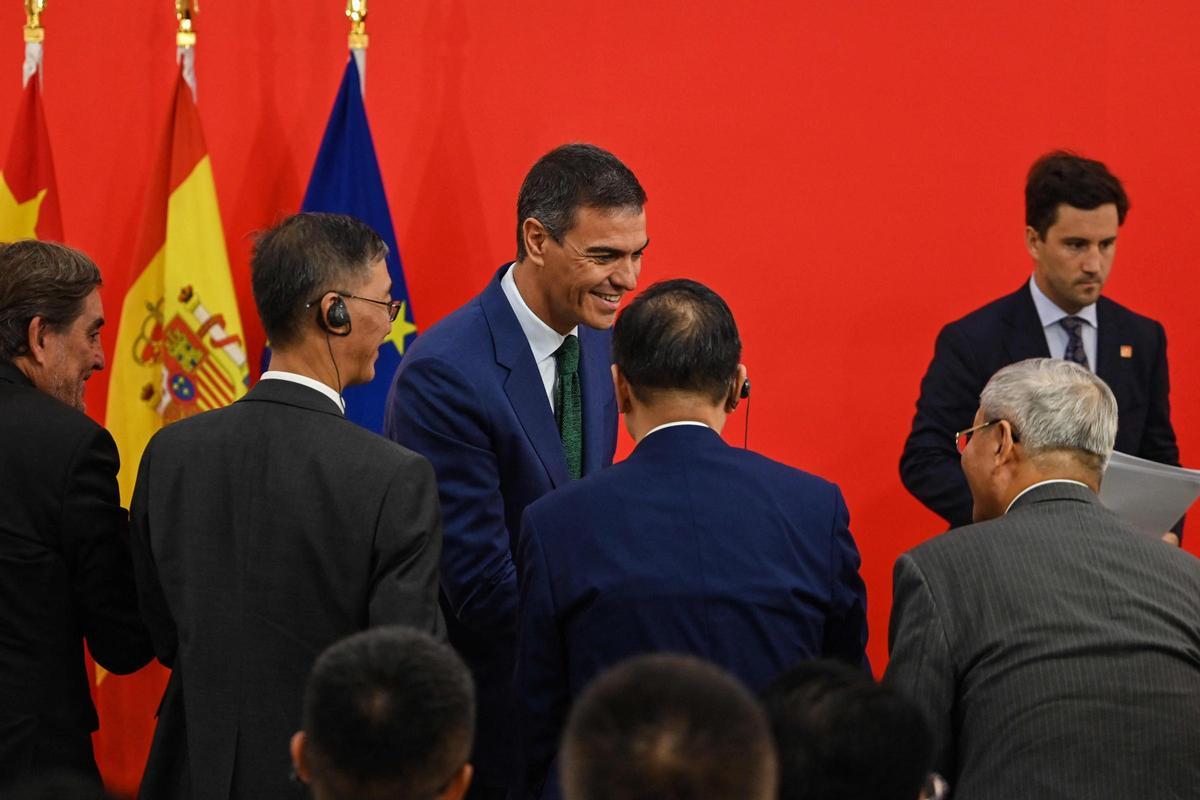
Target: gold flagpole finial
(34, 32)
(356, 10)
(185, 10)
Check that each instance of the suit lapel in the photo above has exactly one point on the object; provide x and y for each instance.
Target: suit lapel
(1025, 338)
(595, 381)
(1110, 335)
(523, 385)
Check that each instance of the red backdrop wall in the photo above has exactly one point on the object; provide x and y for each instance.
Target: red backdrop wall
(848, 175)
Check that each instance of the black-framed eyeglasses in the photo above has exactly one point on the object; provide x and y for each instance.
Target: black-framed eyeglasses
(393, 306)
(963, 438)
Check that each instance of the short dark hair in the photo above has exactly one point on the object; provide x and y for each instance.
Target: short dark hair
(40, 279)
(571, 176)
(667, 727)
(1063, 177)
(677, 335)
(302, 257)
(387, 712)
(842, 736)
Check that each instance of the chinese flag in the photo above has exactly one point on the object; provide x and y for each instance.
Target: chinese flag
(28, 192)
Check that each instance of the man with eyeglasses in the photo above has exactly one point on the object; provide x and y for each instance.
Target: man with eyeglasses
(1052, 648)
(1073, 209)
(266, 530)
(511, 397)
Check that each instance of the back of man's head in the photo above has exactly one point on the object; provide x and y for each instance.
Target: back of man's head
(389, 712)
(568, 178)
(677, 336)
(40, 279)
(842, 736)
(1061, 177)
(300, 259)
(667, 727)
(1058, 410)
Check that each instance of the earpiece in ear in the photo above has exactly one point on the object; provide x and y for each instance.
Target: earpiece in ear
(745, 391)
(337, 316)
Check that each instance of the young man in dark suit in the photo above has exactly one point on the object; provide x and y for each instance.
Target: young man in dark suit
(689, 545)
(268, 529)
(1054, 651)
(65, 572)
(1073, 209)
(510, 397)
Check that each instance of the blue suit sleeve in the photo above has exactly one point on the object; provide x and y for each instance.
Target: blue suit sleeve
(845, 635)
(920, 665)
(929, 466)
(542, 689)
(434, 410)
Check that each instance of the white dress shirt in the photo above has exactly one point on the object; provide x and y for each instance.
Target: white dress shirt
(304, 380)
(1056, 335)
(544, 341)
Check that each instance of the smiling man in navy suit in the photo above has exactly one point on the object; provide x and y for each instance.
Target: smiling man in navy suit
(510, 397)
(688, 546)
(1073, 209)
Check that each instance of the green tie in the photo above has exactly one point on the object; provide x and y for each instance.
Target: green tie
(568, 406)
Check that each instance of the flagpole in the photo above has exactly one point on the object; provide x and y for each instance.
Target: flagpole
(185, 41)
(35, 36)
(356, 10)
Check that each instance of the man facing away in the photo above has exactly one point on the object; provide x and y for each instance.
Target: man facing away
(667, 727)
(1073, 209)
(1054, 651)
(65, 571)
(510, 397)
(689, 545)
(388, 713)
(266, 530)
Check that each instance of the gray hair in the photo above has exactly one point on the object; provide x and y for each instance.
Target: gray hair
(1054, 405)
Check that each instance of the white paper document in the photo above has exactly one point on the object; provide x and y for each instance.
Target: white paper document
(1148, 495)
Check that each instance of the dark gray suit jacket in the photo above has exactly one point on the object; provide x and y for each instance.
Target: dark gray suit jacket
(1055, 652)
(262, 533)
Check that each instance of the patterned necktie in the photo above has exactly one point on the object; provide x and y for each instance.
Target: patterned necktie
(568, 404)
(1074, 351)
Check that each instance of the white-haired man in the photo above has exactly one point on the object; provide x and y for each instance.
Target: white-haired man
(1055, 652)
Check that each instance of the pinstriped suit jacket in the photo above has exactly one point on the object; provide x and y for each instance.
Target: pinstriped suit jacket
(1055, 652)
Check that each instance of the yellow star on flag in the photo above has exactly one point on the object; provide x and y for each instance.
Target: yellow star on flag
(18, 220)
(401, 328)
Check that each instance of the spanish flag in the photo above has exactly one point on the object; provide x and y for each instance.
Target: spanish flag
(28, 192)
(179, 352)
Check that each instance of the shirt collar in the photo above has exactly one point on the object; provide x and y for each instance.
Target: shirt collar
(1043, 483)
(675, 424)
(1050, 314)
(304, 380)
(544, 341)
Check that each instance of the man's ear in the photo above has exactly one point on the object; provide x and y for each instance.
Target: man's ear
(624, 404)
(1004, 443)
(299, 763)
(536, 237)
(735, 390)
(1032, 240)
(459, 783)
(38, 328)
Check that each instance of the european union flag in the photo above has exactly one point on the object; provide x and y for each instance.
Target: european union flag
(346, 180)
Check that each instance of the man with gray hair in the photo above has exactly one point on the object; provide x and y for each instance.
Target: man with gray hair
(1054, 651)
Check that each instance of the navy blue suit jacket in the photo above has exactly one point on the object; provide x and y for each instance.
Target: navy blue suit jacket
(1131, 357)
(688, 546)
(468, 396)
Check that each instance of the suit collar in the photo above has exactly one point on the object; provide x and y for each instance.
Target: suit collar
(678, 438)
(1052, 490)
(1026, 338)
(11, 373)
(291, 394)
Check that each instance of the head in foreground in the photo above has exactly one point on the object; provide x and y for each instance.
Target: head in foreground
(842, 736)
(323, 294)
(50, 316)
(676, 354)
(1073, 208)
(1039, 419)
(581, 232)
(389, 712)
(667, 727)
